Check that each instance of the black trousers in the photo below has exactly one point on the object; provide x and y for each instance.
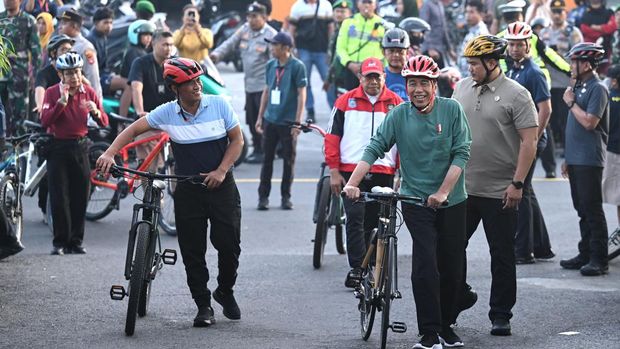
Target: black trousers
(499, 227)
(196, 207)
(532, 236)
(586, 191)
(68, 175)
(547, 156)
(272, 135)
(252, 105)
(437, 264)
(559, 114)
(362, 218)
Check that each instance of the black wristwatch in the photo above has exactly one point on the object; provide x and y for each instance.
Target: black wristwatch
(517, 184)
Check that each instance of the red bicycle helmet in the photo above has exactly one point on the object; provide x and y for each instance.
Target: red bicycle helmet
(181, 70)
(420, 66)
(518, 31)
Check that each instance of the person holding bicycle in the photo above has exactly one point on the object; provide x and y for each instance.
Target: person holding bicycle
(433, 139)
(66, 109)
(357, 114)
(206, 140)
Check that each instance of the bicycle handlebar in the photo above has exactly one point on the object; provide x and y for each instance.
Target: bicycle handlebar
(388, 196)
(308, 127)
(27, 137)
(117, 172)
(121, 118)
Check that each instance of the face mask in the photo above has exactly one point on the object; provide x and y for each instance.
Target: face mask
(416, 41)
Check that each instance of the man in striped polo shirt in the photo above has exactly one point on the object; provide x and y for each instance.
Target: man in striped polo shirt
(206, 140)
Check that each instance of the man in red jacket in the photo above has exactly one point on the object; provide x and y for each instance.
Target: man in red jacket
(598, 21)
(66, 109)
(356, 116)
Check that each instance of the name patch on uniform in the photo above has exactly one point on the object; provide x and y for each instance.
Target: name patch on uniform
(352, 103)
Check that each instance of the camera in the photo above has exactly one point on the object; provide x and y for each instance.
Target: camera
(191, 14)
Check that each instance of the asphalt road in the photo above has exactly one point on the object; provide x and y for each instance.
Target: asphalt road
(63, 302)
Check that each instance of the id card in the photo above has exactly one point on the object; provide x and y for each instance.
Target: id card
(275, 97)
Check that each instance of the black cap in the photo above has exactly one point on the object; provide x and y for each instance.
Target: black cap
(255, 7)
(557, 4)
(283, 38)
(71, 15)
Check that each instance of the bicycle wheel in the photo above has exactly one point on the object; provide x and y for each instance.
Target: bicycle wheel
(102, 199)
(138, 275)
(166, 217)
(48, 214)
(339, 226)
(9, 200)
(367, 306)
(145, 293)
(320, 234)
(614, 245)
(386, 291)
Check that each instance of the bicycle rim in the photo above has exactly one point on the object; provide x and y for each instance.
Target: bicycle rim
(166, 218)
(101, 199)
(138, 276)
(320, 233)
(367, 306)
(614, 245)
(386, 293)
(10, 203)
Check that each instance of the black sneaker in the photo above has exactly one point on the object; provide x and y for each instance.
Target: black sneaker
(545, 255)
(7, 251)
(594, 269)
(428, 341)
(501, 327)
(529, 259)
(354, 276)
(263, 204)
(228, 303)
(286, 204)
(449, 339)
(574, 263)
(205, 317)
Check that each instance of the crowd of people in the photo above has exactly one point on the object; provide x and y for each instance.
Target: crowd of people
(443, 107)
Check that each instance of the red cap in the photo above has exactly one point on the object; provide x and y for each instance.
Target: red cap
(371, 65)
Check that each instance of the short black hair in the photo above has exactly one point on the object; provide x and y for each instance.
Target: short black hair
(267, 4)
(103, 13)
(161, 34)
(188, 6)
(477, 4)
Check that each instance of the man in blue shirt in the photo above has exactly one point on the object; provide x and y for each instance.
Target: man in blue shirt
(532, 238)
(395, 43)
(282, 104)
(206, 140)
(587, 129)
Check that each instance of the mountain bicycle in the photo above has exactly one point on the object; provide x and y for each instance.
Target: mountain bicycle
(107, 191)
(17, 178)
(144, 253)
(328, 207)
(613, 250)
(379, 284)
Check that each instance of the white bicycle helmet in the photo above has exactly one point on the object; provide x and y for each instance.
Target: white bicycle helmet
(69, 60)
(518, 31)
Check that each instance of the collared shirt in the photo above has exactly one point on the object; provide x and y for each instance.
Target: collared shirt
(472, 32)
(70, 121)
(91, 65)
(587, 147)
(255, 53)
(198, 141)
(529, 75)
(293, 77)
(495, 111)
(428, 144)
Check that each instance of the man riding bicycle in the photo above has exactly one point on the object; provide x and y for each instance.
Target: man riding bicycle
(356, 116)
(433, 139)
(206, 140)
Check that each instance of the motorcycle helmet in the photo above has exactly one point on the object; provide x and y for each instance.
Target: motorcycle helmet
(140, 26)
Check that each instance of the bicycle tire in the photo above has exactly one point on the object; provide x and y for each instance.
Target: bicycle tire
(388, 273)
(145, 292)
(367, 307)
(244, 150)
(101, 200)
(136, 280)
(166, 219)
(613, 245)
(48, 213)
(320, 233)
(340, 245)
(9, 199)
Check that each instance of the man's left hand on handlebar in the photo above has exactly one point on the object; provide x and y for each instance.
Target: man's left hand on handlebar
(214, 178)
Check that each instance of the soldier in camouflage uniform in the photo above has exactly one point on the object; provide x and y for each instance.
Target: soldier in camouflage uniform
(20, 29)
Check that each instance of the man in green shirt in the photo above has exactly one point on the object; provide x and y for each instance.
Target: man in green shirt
(433, 138)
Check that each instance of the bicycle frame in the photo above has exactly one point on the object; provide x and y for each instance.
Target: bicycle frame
(124, 153)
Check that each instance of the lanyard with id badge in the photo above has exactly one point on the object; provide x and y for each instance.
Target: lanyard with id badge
(275, 93)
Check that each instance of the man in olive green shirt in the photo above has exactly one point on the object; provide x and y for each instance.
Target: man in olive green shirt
(504, 123)
(433, 139)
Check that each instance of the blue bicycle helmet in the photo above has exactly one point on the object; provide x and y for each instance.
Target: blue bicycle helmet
(69, 60)
(138, 27)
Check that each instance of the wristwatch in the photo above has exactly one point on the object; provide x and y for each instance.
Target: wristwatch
(517, 184)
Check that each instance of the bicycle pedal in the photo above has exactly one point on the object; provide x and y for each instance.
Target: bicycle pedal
(358, 294)
(169, 256)
(397, 295)
(117, 292)
(398, 327)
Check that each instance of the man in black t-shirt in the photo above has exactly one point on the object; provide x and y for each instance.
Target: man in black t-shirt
(148, 88)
